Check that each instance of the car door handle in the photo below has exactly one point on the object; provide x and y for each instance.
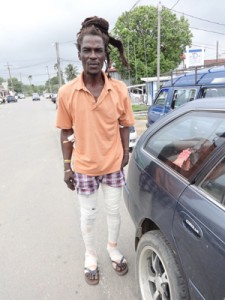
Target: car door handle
(191, 226)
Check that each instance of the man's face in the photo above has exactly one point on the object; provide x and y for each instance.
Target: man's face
(92, 54)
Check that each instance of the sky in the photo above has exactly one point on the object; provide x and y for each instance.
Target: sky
(29, 30)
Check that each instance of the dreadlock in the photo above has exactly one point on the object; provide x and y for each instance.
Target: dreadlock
(100, 27)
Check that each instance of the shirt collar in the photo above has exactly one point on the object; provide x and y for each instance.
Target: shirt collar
(81, 86)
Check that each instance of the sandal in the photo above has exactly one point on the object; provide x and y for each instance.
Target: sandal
(121, 268)
(91, 276)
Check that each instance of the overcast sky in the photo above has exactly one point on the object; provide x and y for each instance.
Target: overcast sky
(29, 30)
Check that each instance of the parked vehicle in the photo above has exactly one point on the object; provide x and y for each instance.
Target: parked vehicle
(11, 98)
(175, 194)
(197, 84)
(35, 97)
(21, 96)
(132, 138)
(53, 98)
(48, 95)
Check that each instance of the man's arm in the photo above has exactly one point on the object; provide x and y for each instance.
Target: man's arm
(124, 134)
(67, 150)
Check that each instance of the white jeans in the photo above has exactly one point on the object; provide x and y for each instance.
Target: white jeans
(88, 210)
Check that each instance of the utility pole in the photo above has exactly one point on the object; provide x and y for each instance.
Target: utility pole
(158, 46)
(21, 83)
(58, 64)
(217, 52)
(49, 83)
(10, 77)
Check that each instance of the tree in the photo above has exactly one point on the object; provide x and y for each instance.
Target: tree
(138, 30)
(71, 72)
(30, 78)
(54, 83)
(2, 80)
(17, 85)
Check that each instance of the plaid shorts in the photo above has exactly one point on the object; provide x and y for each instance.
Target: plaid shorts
(87, 185)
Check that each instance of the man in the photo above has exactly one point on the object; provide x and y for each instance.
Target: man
(96, 110)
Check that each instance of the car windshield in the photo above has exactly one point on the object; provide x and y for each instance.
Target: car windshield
(161, 98)
(188, 140)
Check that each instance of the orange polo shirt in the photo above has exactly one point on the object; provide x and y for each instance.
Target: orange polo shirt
(98, 148)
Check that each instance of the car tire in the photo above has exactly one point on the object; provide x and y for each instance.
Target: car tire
(157, 272)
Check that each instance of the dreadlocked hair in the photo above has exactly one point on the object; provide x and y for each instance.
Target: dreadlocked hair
(99, 26)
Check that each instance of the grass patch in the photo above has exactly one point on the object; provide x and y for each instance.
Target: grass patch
(139, 107)
(141, 117)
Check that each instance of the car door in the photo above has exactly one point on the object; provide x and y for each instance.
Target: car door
(199, 233)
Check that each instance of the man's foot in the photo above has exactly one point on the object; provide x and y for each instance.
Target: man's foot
(91, 276)
(118, 261)
(91, 271)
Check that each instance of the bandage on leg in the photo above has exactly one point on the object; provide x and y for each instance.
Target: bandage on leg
(114, 253)
(112, 198)
(119, 262)
(88, 212)
(91, 260)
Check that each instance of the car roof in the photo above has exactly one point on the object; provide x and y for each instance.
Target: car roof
(213, 75)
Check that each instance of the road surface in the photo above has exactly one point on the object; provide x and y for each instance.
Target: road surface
(41, 248)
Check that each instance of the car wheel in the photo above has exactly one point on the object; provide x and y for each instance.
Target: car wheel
(157, 272)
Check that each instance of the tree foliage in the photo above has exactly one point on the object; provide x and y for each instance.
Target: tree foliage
(138, 30)
(15, 85)
(51, 85)
(71, 72)
(1, 80)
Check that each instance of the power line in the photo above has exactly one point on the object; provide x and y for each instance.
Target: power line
(175, 4)
(30, 66)
(135, 4)
(221, 33)
(201, 19)
(208, 46)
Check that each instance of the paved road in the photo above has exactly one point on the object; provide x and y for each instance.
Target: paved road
(41, 249)
(140, 126)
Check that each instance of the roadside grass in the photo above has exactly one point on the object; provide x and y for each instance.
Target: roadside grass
(139, 107)
(142, 108)
(140, 117)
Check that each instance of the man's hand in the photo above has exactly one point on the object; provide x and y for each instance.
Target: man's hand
(69, 179)
(125, 160)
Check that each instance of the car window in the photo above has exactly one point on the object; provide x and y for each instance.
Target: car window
(186, 142)
(182, 96)
(161, 98)
(213, 92)
(214, 183)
